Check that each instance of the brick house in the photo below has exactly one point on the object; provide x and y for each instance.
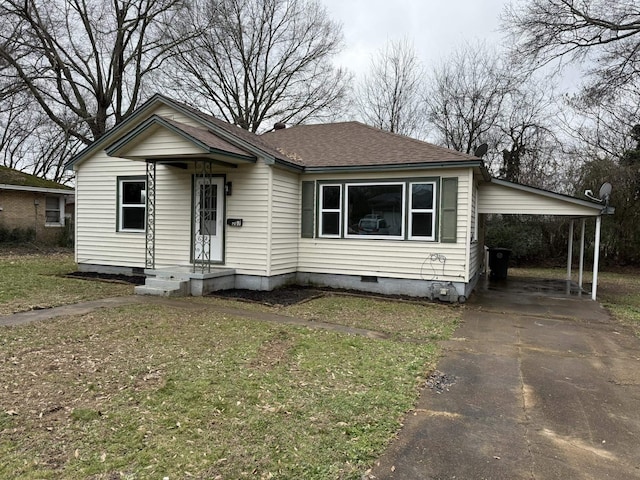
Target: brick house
(33, 207)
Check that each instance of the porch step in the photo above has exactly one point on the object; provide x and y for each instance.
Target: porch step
(164, 287)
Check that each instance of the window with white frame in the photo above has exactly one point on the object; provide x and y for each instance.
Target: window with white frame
(375, 210)
(422, 213)
(330, 210)
(54, 211)
(132, 204)
(421, 209)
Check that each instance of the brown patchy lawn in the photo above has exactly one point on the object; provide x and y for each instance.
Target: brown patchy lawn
(184, 391)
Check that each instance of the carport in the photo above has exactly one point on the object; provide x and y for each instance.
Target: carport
(508, 198)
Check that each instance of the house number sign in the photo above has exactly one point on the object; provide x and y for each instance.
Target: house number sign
(234, 222)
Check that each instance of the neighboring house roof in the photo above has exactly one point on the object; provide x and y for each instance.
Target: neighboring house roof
(353, 144)
(11, 179)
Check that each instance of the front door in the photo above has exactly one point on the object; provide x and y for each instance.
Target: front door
(208, 231)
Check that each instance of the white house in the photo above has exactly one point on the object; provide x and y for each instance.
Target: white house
(201, 205)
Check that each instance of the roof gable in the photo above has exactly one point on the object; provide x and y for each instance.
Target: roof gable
(163, 137)
(246, 141)
(509, 198)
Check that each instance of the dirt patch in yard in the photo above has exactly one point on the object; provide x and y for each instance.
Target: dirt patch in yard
(284, 296)
(294, 294)
(108, 277)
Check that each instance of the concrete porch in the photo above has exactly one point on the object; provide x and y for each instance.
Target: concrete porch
(182, 281)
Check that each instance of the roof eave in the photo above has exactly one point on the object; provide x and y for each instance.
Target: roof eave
(401, 166)
(25, 188)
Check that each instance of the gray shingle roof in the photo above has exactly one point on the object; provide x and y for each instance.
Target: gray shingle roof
(350, 144)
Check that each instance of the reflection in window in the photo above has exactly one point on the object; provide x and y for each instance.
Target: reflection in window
(132, 205)
(421, 211)
(375, 210)
(53, 214)
(330, 210)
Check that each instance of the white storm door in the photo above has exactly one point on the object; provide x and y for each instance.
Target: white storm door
(208, 231)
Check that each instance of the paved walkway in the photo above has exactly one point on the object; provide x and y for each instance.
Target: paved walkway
(546, 387)
(83, 308)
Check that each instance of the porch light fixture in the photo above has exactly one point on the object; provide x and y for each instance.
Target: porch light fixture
(227, 189)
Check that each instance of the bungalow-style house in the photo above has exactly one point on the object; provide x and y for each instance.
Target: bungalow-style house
(32, 206)
(201, 205)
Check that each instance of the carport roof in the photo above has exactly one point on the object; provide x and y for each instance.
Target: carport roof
(509, 198)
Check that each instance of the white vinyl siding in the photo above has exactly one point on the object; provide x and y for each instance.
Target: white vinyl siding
(494, 198)
(416, 259)
(162, 142)
(247, 246)
(97, 238)
(173, 216)
(285, 222)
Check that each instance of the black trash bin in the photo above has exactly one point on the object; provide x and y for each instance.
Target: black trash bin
(499, 262)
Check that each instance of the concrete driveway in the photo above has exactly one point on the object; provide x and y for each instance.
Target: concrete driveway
(544, 385)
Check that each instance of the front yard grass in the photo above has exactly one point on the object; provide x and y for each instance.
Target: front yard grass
(179, 391)
(30, 281)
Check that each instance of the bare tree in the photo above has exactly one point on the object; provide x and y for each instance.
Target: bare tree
(531, 149)
(84, 62)
(607, 32)
(260, 60)
(389, 96)
(465, 98)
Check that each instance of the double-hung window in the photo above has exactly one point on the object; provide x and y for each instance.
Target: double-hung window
(54, 211)
(330, 210)
(132, 204)
(422, 214)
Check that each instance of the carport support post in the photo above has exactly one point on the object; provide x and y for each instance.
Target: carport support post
(570, 251)
(596, 259)
(581, 267)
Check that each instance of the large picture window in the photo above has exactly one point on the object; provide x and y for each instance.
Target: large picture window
(375, 210)
(330, 210)
(409, 209)
(132, 205)
(422, 214)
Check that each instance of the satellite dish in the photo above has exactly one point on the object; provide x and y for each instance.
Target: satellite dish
(603, 195)
(481, 150)
(605, 191)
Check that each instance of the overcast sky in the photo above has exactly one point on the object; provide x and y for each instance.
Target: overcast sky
(436, 27)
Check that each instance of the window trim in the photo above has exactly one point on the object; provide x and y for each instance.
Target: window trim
(120, 205)
(402, 183)
(432, 211)
(61, 212)
(322, 210)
